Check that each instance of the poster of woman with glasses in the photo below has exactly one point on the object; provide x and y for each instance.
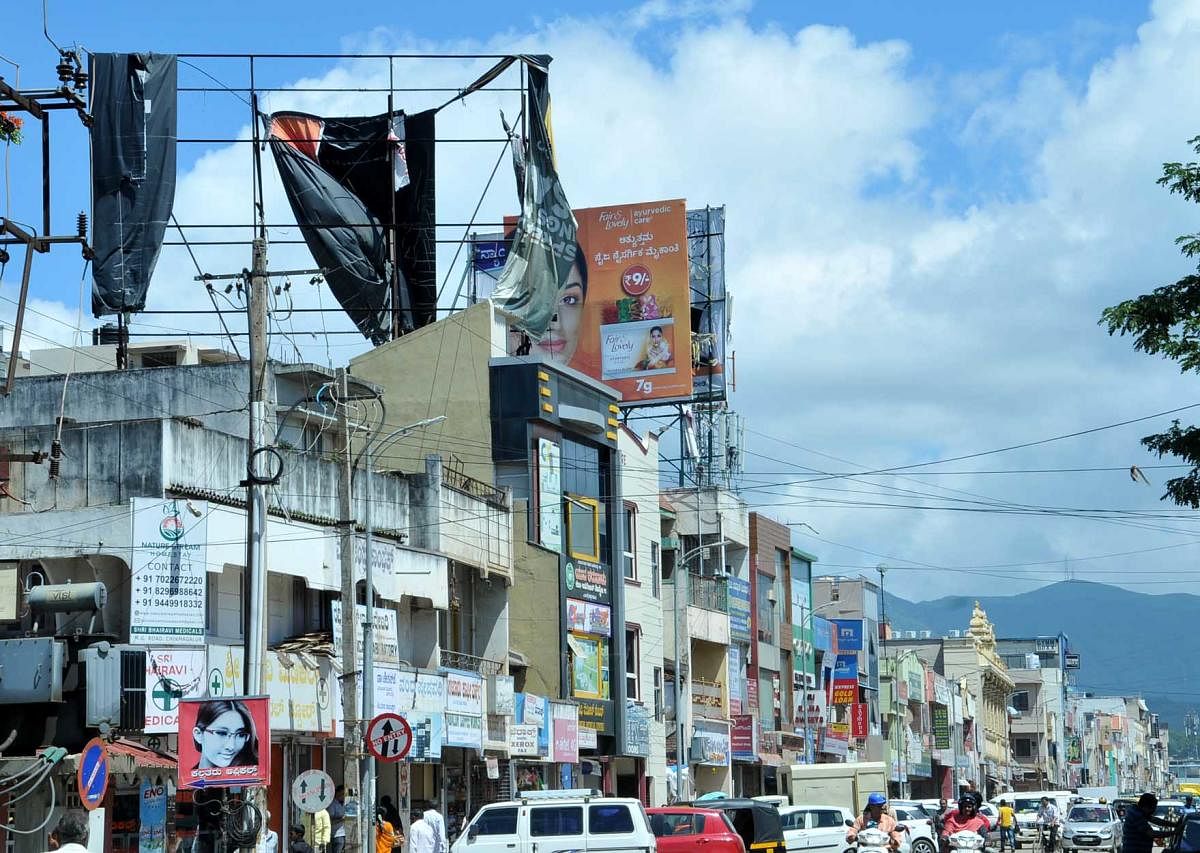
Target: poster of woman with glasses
(224, 742)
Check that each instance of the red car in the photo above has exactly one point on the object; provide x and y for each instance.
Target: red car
(680, 829)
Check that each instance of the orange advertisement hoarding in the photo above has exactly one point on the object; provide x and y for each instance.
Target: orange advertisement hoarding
(623, 316)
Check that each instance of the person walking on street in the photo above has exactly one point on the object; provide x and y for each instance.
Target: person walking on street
(434, 818)
(1008, 826)
(297, 843)
(420, 835)
(387, 835)
(337, 820)
(1047, 819)
(1139, 834)
(72, 833)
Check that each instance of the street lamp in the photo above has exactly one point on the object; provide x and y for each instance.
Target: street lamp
(807, 619)
(367, 785)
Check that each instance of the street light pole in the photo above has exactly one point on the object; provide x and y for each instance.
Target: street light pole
(367, 785)
(807, 619)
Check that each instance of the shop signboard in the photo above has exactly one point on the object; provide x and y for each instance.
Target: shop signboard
(849, 635)
(836, 741)
(736, 680)
(743, 738)
(596, 714)
(858, 720)
(941, 689)
(824, 637)
(564, 746)
(224, 742)
(168, 591)
(583, 579)
(550, 517)
(714, 744)
(464, 693)
(531, 709)
(386, 633)
(523, 740)
(501, 697)
(302, 699)
(738, 596)
(845, 680)
(152, 817)
(588, 739)
(941, 726)
(428, 735)
(637, 729)
(464, 730)
(421, 691)
(172, 675)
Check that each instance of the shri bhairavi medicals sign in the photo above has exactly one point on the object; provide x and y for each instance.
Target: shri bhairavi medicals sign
(170, 572)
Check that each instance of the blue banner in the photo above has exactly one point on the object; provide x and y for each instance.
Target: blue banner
(739, 609)
(849, 635)
(152, 814)
(846, 668)
(490, 255)
(822, 633)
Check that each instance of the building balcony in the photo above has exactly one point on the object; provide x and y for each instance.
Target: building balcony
(708, 698)
(708, 593)
(470, 663)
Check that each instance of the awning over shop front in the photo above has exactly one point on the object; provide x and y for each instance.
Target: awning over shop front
(139, 757)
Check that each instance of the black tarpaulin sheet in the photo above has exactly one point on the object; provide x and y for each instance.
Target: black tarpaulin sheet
(351, 180)
(544, 243)
(133, 106)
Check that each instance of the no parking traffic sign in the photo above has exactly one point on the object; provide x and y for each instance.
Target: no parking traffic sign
(91, 776)
(389, 737)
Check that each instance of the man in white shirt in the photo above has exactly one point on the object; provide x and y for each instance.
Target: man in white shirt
(1047, 817)
(421, 838)
(434, 818)
(72, 832)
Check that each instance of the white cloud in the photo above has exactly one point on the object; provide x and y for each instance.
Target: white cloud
(871, 322)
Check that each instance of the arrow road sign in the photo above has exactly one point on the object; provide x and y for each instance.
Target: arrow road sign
(389, 737)
(312, 791)
(91, 776)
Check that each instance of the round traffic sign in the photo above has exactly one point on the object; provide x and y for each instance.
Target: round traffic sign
(389, 737)
(91, 776)
(312, 791)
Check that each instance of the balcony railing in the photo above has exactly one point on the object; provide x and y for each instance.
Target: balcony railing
(707, 593)
(471, 663)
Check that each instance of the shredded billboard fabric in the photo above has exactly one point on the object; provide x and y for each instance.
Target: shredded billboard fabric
(349, 182)
(133, 106)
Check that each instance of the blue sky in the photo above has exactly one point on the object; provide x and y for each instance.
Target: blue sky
(929, 204)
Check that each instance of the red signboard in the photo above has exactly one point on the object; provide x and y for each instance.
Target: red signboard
(224, 742)
(845, 692)
(858, 719)
(752, 688)
(742, 734)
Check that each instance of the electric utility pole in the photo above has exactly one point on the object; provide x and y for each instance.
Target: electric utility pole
(256, 502)
(352, 736)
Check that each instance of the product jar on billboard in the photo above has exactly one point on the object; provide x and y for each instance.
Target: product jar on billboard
(224, 742)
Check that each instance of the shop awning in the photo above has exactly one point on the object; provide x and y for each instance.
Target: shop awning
(139, 756)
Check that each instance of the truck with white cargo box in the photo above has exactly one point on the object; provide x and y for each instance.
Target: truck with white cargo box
(846, 785)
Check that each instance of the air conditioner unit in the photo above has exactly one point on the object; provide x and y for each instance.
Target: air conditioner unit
(116, 687)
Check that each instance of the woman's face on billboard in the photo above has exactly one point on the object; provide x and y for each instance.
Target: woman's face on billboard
(562, 337)
(222, 740)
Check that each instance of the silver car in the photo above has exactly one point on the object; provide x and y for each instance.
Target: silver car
(1091, 826)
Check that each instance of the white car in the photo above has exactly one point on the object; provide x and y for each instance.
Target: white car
(920, 837)
(1091, 826)
(815, 828)
(547, 821)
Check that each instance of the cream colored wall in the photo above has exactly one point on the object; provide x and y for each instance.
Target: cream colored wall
(441, 369)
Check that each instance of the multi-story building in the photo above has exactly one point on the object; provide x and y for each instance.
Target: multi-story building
(549, 435)
(133, 479)
(705, 566)
(1038, 667)
(1117, 746)
(854, 606)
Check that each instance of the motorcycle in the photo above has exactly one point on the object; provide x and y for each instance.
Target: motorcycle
(966, 839)
(871, 840)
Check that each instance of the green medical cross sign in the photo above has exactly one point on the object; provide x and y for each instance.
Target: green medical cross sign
(216, 684)
(166, 694)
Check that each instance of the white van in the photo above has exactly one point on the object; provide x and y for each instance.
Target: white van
(557, 821)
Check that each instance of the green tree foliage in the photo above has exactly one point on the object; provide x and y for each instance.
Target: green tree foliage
(1166, 322)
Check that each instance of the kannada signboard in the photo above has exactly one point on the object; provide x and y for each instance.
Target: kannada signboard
(171, 675)
(564, 721)
(637, 729)
(224, 742)
(738, 594)
(624, 315)
(386, 634)
(941, 727)
(858, 719)
(168, 572)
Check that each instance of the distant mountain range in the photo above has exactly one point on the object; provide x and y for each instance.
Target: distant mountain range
(1129, 643)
